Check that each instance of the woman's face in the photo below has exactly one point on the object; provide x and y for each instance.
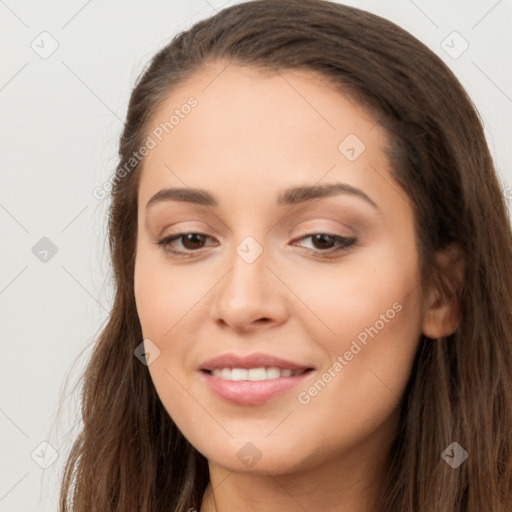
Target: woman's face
(304, 257)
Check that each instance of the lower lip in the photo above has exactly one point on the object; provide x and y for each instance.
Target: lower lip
(247, 392)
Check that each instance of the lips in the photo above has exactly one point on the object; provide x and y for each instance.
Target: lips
(251, 361)
(253, 379)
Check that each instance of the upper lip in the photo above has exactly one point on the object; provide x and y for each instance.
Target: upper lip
(250, 361)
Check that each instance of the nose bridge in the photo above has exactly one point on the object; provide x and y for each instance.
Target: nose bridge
(247, 293)
(246, 282)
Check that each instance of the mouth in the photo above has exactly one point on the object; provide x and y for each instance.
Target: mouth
(253, 379)
(255, 374)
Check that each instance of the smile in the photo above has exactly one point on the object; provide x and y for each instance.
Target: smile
(255, 374)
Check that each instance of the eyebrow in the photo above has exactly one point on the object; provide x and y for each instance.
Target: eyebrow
(290, 196)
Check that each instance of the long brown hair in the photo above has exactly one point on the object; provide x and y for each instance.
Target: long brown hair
(130, 455)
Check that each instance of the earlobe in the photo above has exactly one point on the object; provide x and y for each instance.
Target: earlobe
(442, 314)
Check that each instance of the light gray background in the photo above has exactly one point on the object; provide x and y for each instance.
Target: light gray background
(61, 119)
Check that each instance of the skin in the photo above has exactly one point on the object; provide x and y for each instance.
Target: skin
(251, 135)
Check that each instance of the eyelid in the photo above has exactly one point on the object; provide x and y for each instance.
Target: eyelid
(185, 226)
(327, 226)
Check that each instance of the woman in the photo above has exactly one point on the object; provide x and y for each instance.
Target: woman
(313, 271)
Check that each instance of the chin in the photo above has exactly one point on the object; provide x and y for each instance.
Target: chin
(258, 457)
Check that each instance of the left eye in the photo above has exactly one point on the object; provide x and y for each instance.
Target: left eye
(192, 242)
(325, 242)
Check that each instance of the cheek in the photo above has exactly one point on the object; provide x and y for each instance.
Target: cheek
(370, 312)
(346, 298)
(170, 304)
(164, 300)
(164, 297)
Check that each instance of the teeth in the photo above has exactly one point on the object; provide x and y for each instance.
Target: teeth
(239, 374)
(254, 374)
(257, 374)
(273, 373)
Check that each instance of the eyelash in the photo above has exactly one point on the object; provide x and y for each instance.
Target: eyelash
(346, 244)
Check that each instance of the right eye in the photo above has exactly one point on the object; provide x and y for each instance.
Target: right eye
(191, 242)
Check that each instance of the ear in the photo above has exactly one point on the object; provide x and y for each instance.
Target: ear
(442, 312)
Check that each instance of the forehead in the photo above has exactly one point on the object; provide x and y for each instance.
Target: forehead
(252, 130)
(241, 102)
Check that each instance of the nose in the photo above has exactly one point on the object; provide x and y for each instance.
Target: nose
(250, 296)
